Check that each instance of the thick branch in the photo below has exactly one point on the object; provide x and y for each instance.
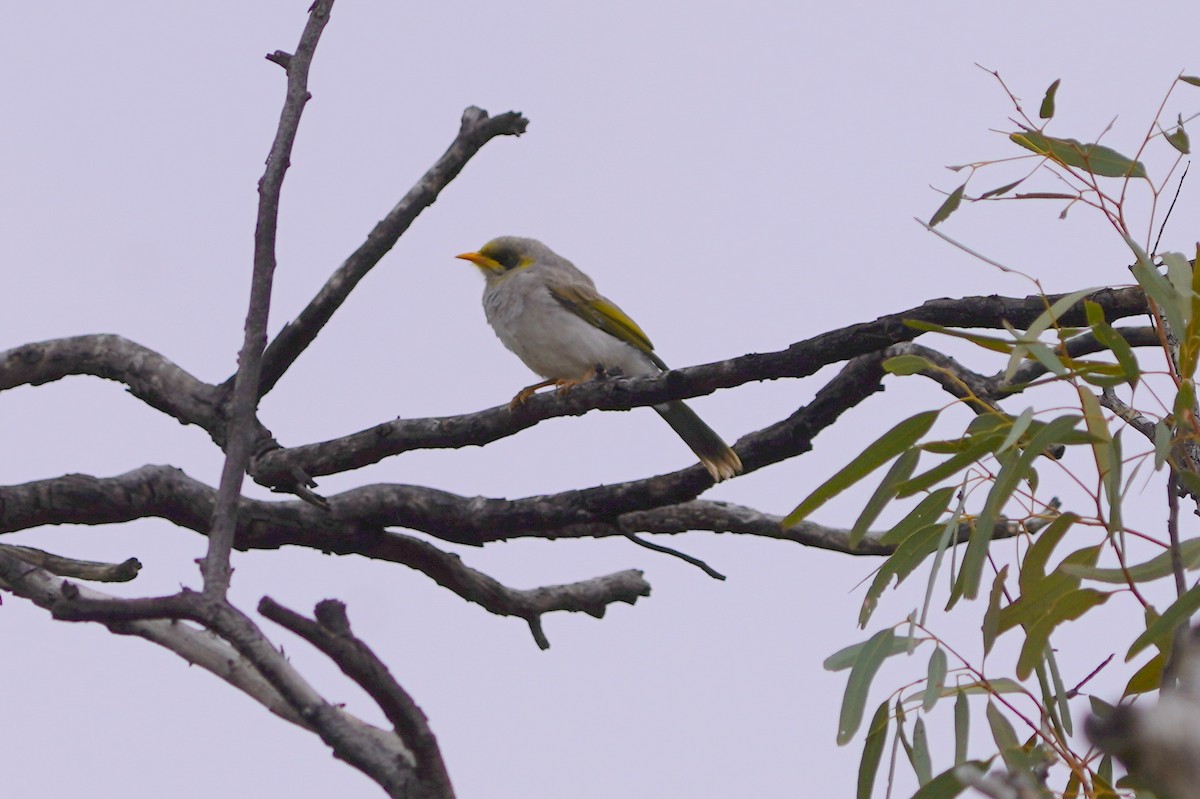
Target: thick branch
(477, 129)
(242, 418)
(149, 376)
(279, 468)
(354, 525)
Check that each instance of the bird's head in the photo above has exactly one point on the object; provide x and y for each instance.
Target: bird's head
(506, 254)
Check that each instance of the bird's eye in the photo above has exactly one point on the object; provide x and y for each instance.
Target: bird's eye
(508, 259)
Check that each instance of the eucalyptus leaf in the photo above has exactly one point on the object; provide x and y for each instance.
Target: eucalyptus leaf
(1095, 158)
(1046, 111)
(1146, 679)
(892, 443)
(846, 657)
(872, 655)
(884, 493)
(921, 762)
(868, 765)
(948, 207)
(1161, 628)
(962, 726)
(935, 679)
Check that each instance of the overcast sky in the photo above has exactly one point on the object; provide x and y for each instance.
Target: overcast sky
(737, 177)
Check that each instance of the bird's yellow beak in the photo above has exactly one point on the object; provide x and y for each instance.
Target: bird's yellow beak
(482, 261)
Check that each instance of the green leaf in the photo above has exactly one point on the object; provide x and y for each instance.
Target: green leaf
(1019, 426)
(911, 552)
(1005, 737)
(1056, 311)
(889, 445)
(1110, 338)
(885, 493)
(1013, 469)
(1049, 706)
(1100, 709)
(1104, 775)
(1045, 356)
(1190, 346)
(1190, 480)
(1067, 607)
(1060, 693)
(1157, 287)
(1071, 791)
(991, 618)
(1154, 569)
(1007, 187)
(962, 726)
(977, 447)
(924, 514)
(906, 365)
(947, 784)
(1038, 600)
(935, 679)
(949, 534)
(1162, 443)
(869, 659)
(1047, 109)
(1095, 158)
(1161, 628)
(1185, 398)
(948, 207)
(1190, 79)
(921, 763)
(1106, 450)
(1000, 685)
(1033, 568)
(1148, 678)
(845, 658)
(868, 766)
(1179, 275)
(987, 342)
(1178, 139)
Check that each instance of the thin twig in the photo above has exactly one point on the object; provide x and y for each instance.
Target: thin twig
(675, 553)
(215, 567)
(1171, 207)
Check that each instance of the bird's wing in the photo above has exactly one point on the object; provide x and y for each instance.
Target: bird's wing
(586, 303)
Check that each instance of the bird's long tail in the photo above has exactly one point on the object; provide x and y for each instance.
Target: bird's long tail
(721, 461)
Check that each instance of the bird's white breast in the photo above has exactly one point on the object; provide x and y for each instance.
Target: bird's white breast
(550, 339)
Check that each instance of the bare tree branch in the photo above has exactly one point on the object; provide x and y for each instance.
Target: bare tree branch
(196, 646)
(79, 569)
(331, 634)
(476, 130)
(278, 468)
(149, 376)
(357, 522)
(215, 566)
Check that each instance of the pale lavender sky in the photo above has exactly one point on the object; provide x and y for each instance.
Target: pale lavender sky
(736, 177)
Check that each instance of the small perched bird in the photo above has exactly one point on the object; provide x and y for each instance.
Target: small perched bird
(549, 313)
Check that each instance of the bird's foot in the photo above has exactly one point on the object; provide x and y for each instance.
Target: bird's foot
(564, 385)
(524, 394)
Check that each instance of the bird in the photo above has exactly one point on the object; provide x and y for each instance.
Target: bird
(549, 313)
